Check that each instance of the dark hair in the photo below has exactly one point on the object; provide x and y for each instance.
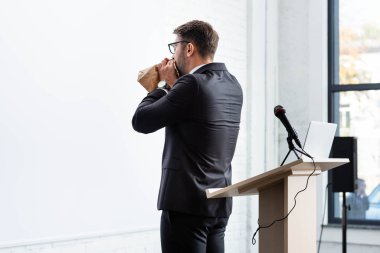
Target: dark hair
(201, 34)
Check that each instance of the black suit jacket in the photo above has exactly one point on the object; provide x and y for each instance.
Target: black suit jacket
(201, 114)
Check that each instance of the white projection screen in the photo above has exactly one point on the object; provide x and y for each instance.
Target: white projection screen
(70, 163)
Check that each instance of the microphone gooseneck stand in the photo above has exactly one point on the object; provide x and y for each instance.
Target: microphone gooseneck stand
(293, 148)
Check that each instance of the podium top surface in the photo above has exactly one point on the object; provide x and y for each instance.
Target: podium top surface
(252, 186)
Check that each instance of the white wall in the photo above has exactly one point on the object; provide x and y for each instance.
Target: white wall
(70, 159)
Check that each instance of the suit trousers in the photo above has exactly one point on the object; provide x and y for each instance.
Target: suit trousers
(184, 233)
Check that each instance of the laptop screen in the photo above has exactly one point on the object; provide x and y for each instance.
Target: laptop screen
(319, 139)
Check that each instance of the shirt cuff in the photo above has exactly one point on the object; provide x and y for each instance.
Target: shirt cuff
(166, 91)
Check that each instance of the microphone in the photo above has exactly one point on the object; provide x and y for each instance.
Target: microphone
(279, 112)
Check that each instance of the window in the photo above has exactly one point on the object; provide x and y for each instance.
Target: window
(354, 100)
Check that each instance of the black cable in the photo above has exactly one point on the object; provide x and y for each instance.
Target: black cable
(323, 217)
(253, 241)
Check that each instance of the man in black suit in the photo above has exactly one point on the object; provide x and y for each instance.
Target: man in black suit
(201, 115)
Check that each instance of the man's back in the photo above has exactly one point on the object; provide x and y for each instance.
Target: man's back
(199, 148)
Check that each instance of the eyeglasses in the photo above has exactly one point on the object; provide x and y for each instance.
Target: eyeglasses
(172, 46)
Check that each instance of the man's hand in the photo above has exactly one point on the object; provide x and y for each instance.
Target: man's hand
(167, 72)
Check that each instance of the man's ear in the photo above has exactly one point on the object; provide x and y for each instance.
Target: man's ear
(190, 49)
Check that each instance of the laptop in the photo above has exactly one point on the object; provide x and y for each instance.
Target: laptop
(319, 139)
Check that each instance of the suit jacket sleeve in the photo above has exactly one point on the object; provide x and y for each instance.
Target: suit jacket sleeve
(159, 109)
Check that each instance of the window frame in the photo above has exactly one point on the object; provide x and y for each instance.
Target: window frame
(333, 104)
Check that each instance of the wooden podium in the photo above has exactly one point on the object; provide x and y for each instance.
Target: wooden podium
(276, 189)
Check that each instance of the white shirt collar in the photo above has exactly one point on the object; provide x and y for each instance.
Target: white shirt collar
(196, 68)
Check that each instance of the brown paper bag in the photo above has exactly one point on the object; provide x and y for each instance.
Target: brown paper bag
(149, 78)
